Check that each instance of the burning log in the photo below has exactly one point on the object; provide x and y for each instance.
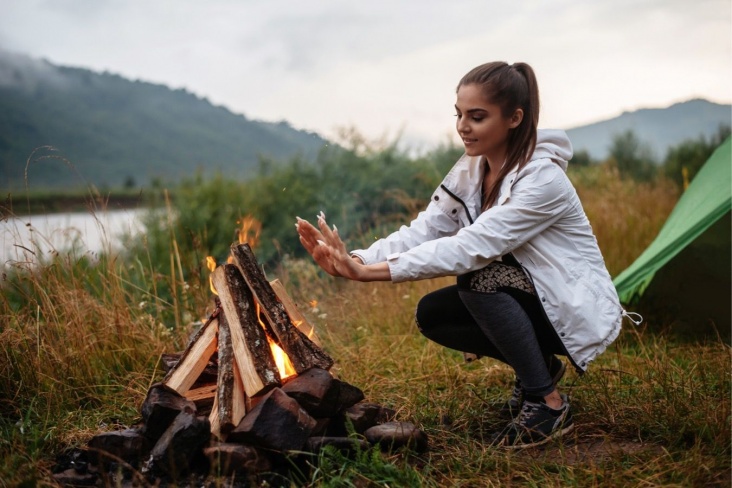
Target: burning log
(295, 315)
(253, 356)
(258, 420)
(301, 351)
(194, 359)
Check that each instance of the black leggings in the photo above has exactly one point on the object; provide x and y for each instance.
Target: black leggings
(508, 324)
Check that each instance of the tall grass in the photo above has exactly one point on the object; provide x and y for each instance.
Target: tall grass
(80, 341)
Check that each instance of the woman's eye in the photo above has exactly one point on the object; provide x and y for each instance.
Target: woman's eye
(478, 119)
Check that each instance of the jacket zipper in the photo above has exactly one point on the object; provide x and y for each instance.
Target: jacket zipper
(579, 370)
(459, 200)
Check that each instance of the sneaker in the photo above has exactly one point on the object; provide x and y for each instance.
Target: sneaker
(537, 424)
(512, 406)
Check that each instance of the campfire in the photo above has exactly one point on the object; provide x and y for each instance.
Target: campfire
(252, 386)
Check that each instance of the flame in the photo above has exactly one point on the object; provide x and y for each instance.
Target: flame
(249, 230)
(248, 233)
(211, 265)
(284, 365)
(313, 303)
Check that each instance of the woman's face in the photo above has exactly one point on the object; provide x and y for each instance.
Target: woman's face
(481, 125)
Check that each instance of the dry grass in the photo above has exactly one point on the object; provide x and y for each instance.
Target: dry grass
(626, 215)
(79, 348)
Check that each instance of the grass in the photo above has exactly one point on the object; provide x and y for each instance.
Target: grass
(80, 342)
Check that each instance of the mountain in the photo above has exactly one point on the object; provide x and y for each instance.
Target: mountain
(660, 128)
(110, 131)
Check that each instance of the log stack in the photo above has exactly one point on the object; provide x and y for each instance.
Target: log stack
(225, 405)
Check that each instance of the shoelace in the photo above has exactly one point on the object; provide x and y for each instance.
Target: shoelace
(528, 410)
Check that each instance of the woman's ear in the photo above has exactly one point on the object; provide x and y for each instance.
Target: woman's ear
(516, 118)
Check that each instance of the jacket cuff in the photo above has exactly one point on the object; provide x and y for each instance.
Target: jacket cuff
(398, 273)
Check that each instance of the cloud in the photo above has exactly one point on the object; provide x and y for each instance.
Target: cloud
(385, 66)
(21, 71)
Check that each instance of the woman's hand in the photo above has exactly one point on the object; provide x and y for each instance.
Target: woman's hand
(329, 252)
(310, 237)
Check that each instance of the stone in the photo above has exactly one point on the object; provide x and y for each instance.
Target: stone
(366, 415)
(316, 391)
(129, 445)
(277, 422)
(226, 459)
(177, 447)
(71, 477)
(393, 435)
(348, 395)
(160, 408)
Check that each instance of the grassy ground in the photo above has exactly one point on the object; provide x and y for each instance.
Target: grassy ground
(80, 342)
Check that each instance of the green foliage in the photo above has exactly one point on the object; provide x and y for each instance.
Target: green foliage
(581, 159)
(331, 468)
(363, 192)
(632, 157)
(689, 156)
(112, 129)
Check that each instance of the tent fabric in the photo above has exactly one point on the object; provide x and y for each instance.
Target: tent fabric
(707, 199)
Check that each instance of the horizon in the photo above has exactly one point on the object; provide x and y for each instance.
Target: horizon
(619, 113)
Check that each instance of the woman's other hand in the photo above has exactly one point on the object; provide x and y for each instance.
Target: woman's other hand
(310, 237)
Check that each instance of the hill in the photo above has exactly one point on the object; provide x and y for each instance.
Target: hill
(660, 128)
(115, 131)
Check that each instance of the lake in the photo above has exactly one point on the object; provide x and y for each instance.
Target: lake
(23, 238)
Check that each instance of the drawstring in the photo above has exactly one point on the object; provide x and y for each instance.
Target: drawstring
(630, 316)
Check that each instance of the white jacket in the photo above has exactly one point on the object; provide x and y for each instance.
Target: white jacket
(539, 218)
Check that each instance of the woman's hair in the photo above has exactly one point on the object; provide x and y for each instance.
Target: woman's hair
(510, 87)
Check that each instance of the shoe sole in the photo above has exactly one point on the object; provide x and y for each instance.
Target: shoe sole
(547, 439)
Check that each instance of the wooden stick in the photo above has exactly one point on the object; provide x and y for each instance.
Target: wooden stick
(195, 358)
(213, 419)
(251, 350)
(202, 393)
(293, 311)
(231, 399)
(303, 353)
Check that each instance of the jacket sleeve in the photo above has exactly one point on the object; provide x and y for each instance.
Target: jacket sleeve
(431, 223)
(536, 200)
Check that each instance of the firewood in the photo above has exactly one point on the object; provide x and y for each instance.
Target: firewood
(213, 420)
(168, 361)
(194, 359)
(301, 351)
(293, 311)
(203, 396)
(250, 347)
(231, 399)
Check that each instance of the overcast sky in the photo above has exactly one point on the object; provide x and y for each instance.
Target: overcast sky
(388, 66)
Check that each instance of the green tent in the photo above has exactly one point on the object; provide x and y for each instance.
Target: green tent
(688, 264)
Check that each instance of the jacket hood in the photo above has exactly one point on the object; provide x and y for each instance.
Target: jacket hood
(555, 145)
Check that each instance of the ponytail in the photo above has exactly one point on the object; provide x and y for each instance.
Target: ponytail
(511, 87)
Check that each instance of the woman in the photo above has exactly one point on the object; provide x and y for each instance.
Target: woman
(508, 223)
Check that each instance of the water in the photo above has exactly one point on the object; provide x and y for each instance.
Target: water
(25, 239)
